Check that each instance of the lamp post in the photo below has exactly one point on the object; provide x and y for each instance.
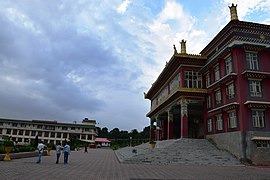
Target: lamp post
(130, 141)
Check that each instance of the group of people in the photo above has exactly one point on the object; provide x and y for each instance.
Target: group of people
(59, 148)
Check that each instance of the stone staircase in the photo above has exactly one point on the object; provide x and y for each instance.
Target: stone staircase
(180, 151)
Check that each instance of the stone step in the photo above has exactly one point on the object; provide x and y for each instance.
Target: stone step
(180, 151)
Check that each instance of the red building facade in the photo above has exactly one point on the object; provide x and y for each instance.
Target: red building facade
(222, 94)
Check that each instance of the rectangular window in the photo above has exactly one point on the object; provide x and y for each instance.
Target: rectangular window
(232, 119)
(72, 128)
(1, 131)
(52, 134)
(8, 131)
(83, 136)
(40, 133)
(21, 132)
(58, 135)
(14, 132)
(64, 128)
(207, 80)
(39, 126)
(258, 118)
(252, 60)
(218, 97)
(64, 135)
(255, 88)
(1, 124)
(219, 122)
(46, 134)
(230, 91)
(209, 125)
(27, 133)
(217, 74)
(193, 79)
(23, 125)
(209, 101)
(33, 133)
(14, 124)
(228, 65)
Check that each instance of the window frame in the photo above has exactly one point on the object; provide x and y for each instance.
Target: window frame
(259, 120)
(228, 65)
(232, 119)
(252, 60)
(230, 91)
(219, 122)
(217, 72)
(255, 87)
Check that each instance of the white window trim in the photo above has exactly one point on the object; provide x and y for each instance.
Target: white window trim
(232, 119)
(258, 120)
(219, 123)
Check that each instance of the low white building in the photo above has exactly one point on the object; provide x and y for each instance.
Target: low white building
(25, 131)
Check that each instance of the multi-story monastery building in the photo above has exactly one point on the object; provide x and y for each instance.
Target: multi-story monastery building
(223, 94)
(25, 131)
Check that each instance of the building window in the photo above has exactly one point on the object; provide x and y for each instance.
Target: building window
(255, 88)
(64, 135)
(46, 134)
(230, 91)
(89, 137)
(23, 125)
(64, 128)
(209, 125)
(232, 119)
(58, 135)
(27, 133)
(219, 122)
(193, 79)
(228, 65)
(72, 128)
(19, 139)
(33, 133)
(52, 134)
(1, 131)
(207, 80)
(14, 124)
(1, 124)
(263, 145)
(258, 118)
(21, 132)
(217, 74)
(218, 97)
(252, 60)
(8, 131)
(208, 101)
(40, 133)
(14, 132)
(83, 136)
(39, 127)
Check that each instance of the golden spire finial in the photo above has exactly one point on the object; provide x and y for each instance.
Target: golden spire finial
(233, 12)
(183, 47)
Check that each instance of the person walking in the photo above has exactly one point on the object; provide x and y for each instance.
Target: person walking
(85, 148)
(40, 149)
(58, 152)
(66, 151)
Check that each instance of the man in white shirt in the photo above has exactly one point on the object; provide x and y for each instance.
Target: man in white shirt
(40, 149)
(66, 151)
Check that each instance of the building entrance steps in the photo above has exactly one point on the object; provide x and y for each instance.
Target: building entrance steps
(181, 151)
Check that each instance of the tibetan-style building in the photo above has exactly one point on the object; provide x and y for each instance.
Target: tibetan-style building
(223, 94)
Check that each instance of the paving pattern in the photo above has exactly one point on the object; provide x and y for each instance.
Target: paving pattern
(102, 164)
(179, 152)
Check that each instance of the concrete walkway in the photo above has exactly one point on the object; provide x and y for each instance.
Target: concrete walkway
(103, 164)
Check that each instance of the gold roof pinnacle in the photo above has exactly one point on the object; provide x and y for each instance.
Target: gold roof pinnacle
(233, 12)
(183, 47)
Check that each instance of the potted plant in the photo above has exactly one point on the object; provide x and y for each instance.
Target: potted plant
(153, 144)
(8, 145)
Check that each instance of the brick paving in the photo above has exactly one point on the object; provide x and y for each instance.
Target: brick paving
(103, 164)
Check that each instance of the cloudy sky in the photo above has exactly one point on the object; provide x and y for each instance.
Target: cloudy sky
(67, 60)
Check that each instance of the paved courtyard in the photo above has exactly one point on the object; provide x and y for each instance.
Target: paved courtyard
(103, 164)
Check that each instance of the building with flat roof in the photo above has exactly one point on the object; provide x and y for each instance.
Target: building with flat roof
(221, 94)
(25, 131)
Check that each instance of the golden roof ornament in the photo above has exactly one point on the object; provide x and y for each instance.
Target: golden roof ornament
(233, 12)
(183, 47)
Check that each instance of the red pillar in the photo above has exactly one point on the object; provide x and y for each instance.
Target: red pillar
(170, 129)
(184, 126)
